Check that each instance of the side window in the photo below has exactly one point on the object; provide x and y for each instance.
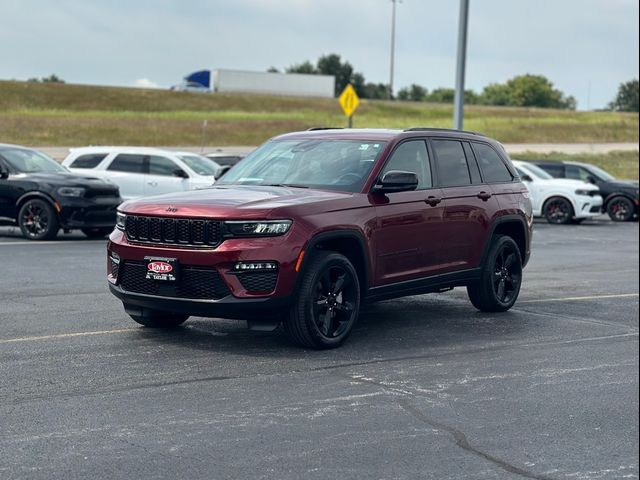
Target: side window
(472, 164)
(578, 173)
(556, 171)
(491, 165)
(161, 166)
(411, 156)
(88, 161)
(452, 163)
(126, 162)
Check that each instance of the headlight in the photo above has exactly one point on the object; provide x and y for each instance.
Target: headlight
(71, 191)
(584, 192)
(121, 219)
(258, 229)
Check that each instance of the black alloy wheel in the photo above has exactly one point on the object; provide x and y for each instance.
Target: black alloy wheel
(558, 210)
(38, 220)
(501, 278)
(620, 209)
(328, 302)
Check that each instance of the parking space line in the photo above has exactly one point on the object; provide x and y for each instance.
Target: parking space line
(67, 335)
(570, 299)
(52, 242)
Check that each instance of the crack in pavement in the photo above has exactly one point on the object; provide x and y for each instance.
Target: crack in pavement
(459, 437)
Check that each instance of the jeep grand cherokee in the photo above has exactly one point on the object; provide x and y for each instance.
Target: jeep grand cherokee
(312, 224)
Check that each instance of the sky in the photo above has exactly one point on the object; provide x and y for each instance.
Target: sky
(585, 47)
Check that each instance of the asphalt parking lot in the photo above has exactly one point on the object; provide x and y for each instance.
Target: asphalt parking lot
(426, 387)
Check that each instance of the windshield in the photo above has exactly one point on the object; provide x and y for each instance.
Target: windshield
(200, 165)
(30, 161)
(601, 174)
(341, 165)
(536, 171)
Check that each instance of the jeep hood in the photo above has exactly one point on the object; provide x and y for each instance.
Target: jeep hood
(240, 201)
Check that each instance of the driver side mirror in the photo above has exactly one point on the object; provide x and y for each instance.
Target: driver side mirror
(178, 172)
(526, 178)
(4, 172)
(396, 181)
(591, 179)
(223, 169)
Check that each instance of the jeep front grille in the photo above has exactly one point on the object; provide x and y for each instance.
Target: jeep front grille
(174, 231)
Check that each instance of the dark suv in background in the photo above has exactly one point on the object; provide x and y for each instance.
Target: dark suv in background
(41, 197)
(312, 224)
(620, 197)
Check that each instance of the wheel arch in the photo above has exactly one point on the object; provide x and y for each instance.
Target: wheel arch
(349, 243)
(564, 196)
(513, 226)
(36, 195)
(613, 195)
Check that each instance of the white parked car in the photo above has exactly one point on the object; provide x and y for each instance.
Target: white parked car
(143, 171)
(559, 200)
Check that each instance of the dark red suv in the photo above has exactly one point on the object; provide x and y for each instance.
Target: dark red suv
(312, 224)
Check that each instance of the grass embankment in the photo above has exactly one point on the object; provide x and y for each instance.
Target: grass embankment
(622, 165)
(70, 115)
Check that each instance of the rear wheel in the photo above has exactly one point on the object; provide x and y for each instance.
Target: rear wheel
(501, 277)
(328, 303)
(155, 318)
(38, 220)
(558, 210)
(97, 232)
(620, 209)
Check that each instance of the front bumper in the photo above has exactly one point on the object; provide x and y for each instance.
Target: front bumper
(587, 206)
(208, 283)
(88, 213)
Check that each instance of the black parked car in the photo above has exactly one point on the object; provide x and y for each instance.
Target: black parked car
(41, 196)
(620, 197)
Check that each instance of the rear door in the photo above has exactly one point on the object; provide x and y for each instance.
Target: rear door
(127, 170)
(162, 177)
(470, 205)
(408, 234)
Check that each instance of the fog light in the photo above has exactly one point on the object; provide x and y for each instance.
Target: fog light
(115, 257)
(253, 266)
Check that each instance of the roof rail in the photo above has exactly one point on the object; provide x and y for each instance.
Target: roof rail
(312, 129)
(434, 129)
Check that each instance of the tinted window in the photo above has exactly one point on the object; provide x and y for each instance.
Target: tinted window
(88, 161)
(452, 163)
(556, 171)
(161, 166)
(578, 173)
(491, 165)
(126, 162)
(472, 164)
(411, 156)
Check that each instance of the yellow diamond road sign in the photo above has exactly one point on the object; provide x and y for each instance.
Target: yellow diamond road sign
(349, 100)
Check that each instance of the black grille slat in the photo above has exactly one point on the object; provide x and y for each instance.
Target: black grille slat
(178, 231)
(258, 281)
(203, 283)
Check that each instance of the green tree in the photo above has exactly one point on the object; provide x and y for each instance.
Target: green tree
(495, 94)
(332, 65)
(377, 91)
(627, 98)
(53, 78)
(273, 69)
(413, 93)
(304, 67)
(441, 95)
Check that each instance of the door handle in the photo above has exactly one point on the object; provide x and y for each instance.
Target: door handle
(433, 201)
(484, 196)
(153, 184)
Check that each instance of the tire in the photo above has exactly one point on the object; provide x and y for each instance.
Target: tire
(558, 211)
(38, 220)
(328, 303)
(501, 277)
(620, 209)
(97, 232)
(155, 318)
(578, 221)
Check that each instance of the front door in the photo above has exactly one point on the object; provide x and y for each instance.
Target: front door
(408, 234)
(162, 177)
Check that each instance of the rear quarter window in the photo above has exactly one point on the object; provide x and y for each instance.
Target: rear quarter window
(88, 161)
(126, 162)
(491, 165)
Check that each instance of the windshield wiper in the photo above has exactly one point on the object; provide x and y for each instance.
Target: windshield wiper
(291, 185)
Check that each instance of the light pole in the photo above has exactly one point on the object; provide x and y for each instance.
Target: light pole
(458, 101)
(393, 44)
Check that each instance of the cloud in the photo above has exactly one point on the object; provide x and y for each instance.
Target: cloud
(145, 83)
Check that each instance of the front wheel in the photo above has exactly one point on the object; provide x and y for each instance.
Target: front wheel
(328, 303)
(500, 279)
(558, 210)
(620, 209)
(155, 318)
(38, 220)
(97, 232)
